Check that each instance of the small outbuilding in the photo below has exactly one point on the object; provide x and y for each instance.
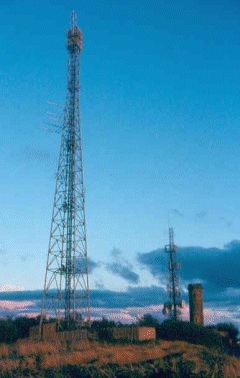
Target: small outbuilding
(133, 333)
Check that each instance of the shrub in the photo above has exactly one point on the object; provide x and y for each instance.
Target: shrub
(230, 329)
(103, 328)
(13, 329)
(8, 331)
(104, 323)
(23, 325)
(192, 333)
(148, 321)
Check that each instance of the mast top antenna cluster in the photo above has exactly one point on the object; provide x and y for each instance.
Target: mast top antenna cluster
(74, 34)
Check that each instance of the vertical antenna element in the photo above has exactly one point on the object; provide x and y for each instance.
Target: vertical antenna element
(174, 294)
(74, 20)
(66, 289)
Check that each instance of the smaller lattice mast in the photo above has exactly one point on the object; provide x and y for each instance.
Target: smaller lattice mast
(175, 302)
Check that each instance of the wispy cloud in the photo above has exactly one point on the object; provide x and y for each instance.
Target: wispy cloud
(36, 154)
(33, 154)
(177, 213)
(226, 222)
(92, 265)
(124, 271)
(201, 215)
(116, 253)
(10, 288)
(16, 305)
(122, 267)
(99, 284)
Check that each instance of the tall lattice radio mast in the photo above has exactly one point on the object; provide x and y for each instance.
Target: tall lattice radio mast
(66, 289)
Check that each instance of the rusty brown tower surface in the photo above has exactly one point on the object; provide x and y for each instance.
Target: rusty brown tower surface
(196, 303)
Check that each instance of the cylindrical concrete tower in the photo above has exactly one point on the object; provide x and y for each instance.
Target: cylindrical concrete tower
(195, 303)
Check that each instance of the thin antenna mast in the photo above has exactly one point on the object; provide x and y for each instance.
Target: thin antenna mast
(173, 279)
(74, 20)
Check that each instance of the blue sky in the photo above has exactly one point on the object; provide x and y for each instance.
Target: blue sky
(160, 117)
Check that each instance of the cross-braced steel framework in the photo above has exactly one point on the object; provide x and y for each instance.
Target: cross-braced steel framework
(173, 279)
(66, 288)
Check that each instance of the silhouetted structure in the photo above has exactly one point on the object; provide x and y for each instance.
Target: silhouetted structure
(173, 306)
(66, 289)
(195, 303)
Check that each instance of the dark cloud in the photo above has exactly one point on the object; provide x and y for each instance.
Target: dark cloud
(26, 295)
(154, 261)
(99, 284)
(133, 296)
(81, 265)
(116, 253)
(217, 268)
(123, 270)
(92, 265)
(122, 267)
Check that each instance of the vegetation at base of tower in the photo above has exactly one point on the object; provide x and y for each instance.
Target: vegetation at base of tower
(222, 337)
(71, 325)
(149, 321)
(230, 330)
(175, 359)
(14, 329)
(172, 355)
(154, 369)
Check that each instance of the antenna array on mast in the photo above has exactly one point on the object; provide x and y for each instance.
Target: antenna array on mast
(173, 306)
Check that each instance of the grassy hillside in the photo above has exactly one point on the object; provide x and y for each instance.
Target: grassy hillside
(93, 359)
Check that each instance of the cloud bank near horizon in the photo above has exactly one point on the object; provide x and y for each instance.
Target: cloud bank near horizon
(126, 306)
(216, 268)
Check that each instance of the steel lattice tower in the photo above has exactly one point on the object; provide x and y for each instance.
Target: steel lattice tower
(173, 280)
(66, 288)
